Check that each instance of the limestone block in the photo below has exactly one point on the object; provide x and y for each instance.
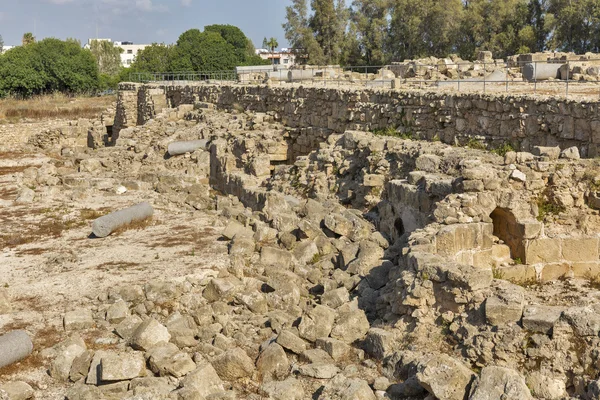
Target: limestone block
(317, 323)
(337, 349)
(148, 334)
(122, 366)
(505, 308)
(428, 163)
(350, 326)
(530, 229)
(542, 251)
(319, 371)
(499, 383)
(78, 319)
(203, 381)
(233, 364)
(580, 249)
(541, 319)
(373, 180)
(587, 270)
(445, 377)
(545, 387)
(273, 364)
(572, 153)
(551, 152)
(289, 340)
(467, 236)
(584, 320)
(483, 258)
(445, 241)
(473, 186)
(16, 391)
(166, 359)
(518, 176)
(464, 257)
(290, 389)
(500, 252)
(517, 273)
(274, 256)
(554, 271)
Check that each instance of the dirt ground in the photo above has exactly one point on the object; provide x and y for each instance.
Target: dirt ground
(49, 264)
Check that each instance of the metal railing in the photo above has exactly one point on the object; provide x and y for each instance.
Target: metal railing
(493, 77)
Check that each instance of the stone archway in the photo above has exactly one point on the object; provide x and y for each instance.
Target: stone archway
(507, 229)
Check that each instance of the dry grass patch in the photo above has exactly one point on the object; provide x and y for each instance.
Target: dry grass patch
(136, 225)
(186, 236)
(48, 227)
(52, 107)
(13, 169)
(34, 251)
(8, 194)
(120, 265)
(88, 213)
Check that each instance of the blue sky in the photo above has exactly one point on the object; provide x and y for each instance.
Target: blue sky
(139, 21)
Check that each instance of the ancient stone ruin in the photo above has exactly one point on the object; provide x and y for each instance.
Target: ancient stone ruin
(376, 245)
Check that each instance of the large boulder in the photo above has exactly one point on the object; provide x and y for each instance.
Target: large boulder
(499, 383)
(445, 377)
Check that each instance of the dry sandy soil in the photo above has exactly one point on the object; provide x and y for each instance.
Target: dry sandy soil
(49, 264)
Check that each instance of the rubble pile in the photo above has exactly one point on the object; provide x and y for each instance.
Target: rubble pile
(369, 266)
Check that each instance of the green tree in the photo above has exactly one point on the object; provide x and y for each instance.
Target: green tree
(1, 44)
(424, 28)
(21, 73)
(202, 51)
(153, 58)
(328, 23)
(300, 35)
(496, 26)
(48, 66)
(368, 32)
(67, 67)
(28, 38)
(244, 49)
(107, 55)
(575, 25)
(271, 44)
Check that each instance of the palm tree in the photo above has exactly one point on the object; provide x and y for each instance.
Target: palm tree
(28, 38)
(271, 44)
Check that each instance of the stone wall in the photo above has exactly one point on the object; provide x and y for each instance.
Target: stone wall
(493, 120)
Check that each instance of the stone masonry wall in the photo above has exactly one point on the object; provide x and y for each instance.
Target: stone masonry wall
(522, 121)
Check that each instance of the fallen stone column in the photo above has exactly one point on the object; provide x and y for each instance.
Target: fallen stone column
(14, 346)
(541, 71)
(107, 224)
(177, 148)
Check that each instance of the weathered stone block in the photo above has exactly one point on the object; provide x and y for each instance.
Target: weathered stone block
(542, 251)
(554, 271)
(580, 249)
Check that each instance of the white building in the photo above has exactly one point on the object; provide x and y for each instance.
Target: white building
(130, 51)
(284, 57)
(88, 45)
(5, 49)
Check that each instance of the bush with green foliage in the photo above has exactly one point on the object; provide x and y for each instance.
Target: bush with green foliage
(217, 48)
(51, 65)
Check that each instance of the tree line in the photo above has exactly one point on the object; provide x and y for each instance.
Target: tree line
(53, 65)
(376, 32)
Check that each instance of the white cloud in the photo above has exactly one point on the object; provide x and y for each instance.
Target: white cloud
(148, 6)
(60, 2)
(186, 3)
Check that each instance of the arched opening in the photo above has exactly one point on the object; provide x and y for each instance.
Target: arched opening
(399, 225)
(507, 229)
